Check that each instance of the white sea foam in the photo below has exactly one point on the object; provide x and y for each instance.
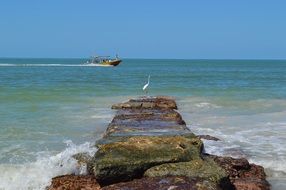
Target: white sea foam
(254, 129)
(103, 116)
(37, 175)
(206, 105)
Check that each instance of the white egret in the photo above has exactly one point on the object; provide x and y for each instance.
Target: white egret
(146, 85)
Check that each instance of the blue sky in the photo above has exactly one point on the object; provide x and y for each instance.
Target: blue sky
(192, 29)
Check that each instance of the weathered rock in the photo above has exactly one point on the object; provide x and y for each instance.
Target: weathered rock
(232, 166)
(73, 182)
(82, 158)
(159, 102)
(198, 168)
(254, 171)
(137, 127)
(242, 175)
(252, 179)
(165, 183)
(124, 137)
(122, 161)
(251, 184)
(134, 122)
(208, 137)
(149, 114)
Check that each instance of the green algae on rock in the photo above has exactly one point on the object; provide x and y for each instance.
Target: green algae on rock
(121, 161)
(120, 137)
(198, 168)
(159, 102)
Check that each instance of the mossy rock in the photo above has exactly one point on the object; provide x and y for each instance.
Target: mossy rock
(121, 137)
(159, 102)
(198, 168)
(123, 161)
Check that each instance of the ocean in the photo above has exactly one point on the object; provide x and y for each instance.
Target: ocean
(51, 109)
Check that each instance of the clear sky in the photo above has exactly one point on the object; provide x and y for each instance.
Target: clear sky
(236, 29)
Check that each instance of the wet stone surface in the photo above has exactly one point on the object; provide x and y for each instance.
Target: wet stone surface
(154, 116)
(151, 121)
(143, 126)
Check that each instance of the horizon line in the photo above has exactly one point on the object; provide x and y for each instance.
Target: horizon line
(274, 59)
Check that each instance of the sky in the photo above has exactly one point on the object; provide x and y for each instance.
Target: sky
(180, 29)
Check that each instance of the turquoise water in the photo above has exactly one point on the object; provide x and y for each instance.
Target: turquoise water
(52, 108)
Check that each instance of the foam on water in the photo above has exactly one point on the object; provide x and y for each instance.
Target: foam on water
(259, 135)
(206, 105)
(37, 175)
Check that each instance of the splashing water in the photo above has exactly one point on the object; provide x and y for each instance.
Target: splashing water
(38, 174)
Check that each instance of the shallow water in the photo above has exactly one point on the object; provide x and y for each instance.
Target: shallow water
(51, 109)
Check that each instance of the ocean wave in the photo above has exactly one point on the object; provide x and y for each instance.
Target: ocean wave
(37, 175)
(274, 167)
(206, 105)
(254, 129)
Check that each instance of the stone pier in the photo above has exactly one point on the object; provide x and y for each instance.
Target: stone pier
(147, 145)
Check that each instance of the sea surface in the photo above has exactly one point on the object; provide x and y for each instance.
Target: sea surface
(51, 109)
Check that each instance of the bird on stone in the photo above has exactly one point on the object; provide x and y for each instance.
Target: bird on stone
(146, 85)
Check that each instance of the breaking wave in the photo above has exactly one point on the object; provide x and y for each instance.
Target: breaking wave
(37, 175)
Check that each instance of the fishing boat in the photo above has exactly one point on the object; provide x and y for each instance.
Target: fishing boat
(104, 60)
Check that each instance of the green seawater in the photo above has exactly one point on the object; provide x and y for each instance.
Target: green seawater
(49, 107)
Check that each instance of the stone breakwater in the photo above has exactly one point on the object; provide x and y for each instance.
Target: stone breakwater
(147, 145)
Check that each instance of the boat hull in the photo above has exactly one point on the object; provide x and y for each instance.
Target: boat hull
(112, 62)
